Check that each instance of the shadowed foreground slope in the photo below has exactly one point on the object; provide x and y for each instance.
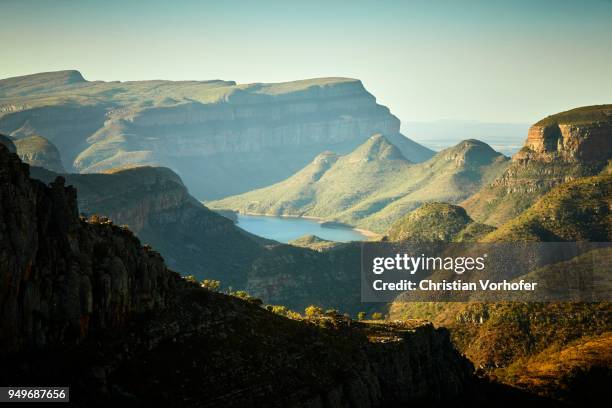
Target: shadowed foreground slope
(83, 303)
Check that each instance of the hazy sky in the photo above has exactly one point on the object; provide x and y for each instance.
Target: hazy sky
(510, 61)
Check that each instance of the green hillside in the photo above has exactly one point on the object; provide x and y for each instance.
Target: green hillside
(314, 242)
(575, 211)
(437, 222)
(562, 147)
(374, 185)
(547, 347)
(578, 116)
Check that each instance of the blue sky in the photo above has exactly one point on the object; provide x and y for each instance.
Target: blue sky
(513, 61)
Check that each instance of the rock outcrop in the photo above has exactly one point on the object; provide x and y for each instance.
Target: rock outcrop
(155, 204)
(62, 277)
(38, 151)
(559, 148)
(84, 304)
(239, 136)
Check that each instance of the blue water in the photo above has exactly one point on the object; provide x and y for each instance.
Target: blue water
(285, 229)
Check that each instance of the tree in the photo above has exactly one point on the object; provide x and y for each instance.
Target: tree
(361, 315)
(191, 279)
(313, 311)
(278, 309)
(293, 315)
(377, 316)
(211, 284)
(241, 294)
(332, 313)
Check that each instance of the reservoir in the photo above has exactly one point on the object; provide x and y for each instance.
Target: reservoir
(285, 229)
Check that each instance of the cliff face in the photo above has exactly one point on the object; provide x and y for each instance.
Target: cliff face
(590, 142)
(38, 151)
(83, 304)
(240, 136)
(62, 277)
(155, 204)
(558, 149)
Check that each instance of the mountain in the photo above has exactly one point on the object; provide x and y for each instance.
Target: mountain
(580, 369)
(374, 185)
(38, 151)
(559, 148)
(534, 346)
(437, 222)
(579, 210)
(155, 204)
(241, 136)
(85, 305)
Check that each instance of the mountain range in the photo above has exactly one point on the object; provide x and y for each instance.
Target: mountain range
(222, 138)
(85, 303)
(374, 185)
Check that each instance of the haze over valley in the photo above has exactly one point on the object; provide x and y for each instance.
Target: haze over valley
(208, 204)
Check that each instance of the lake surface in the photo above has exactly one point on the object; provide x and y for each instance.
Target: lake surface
(285, 229)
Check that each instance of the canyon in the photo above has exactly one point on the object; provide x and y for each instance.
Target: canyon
(85, 304)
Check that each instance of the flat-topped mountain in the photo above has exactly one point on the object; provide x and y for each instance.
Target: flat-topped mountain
(222, 138)
(374, 185)
(559, 148)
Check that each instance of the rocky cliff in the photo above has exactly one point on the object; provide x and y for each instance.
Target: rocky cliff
(155, 204)
(38, 151)
(239, 136)
(559, 148)
(63, 277)
(193, 240)
(84, 304)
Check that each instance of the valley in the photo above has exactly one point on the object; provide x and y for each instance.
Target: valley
(130, 238)
(374, 185)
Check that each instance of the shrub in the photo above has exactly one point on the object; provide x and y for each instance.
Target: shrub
(332, 313)
(361, 315)
(377, 316)
(211, 284)
(278, 309)
(191, 279)
(241, 294)
(293, 315)
(313, 311)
